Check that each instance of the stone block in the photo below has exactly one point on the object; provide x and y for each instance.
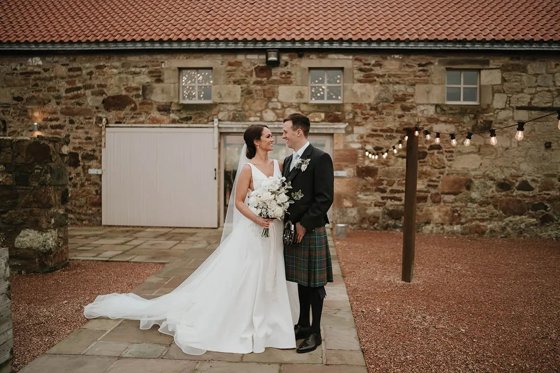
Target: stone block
(293, 94)
(454, 184)
(360, 93)
(490, 77)
(429, 94)
(226, 94)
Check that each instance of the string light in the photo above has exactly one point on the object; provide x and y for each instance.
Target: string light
(468, 139)
(453, 139)
(520, 128)
(493, 138)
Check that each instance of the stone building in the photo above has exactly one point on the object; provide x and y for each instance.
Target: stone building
(153, 97)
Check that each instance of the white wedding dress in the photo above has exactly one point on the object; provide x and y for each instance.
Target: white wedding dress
(236, 301)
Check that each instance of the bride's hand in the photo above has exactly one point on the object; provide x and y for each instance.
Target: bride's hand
(263, 222)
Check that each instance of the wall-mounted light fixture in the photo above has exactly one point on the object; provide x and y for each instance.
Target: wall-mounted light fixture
(35, 132)
(272, 57)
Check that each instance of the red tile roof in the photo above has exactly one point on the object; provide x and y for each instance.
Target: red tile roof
(278, 20)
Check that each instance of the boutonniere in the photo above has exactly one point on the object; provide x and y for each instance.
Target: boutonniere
(302, 164)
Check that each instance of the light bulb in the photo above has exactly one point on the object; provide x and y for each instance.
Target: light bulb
(438, 140)
(406, 138)
(559, 124)
(493, 138)
(385, 155)
(400, 144)
(453, 140)
(467, 140)
(427, 135)
(519, 133)
(416, 131)
(394, 149)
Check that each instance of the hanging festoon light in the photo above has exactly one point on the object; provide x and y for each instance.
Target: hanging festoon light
(438, 139)
(520, 129)
(400, 144)
(385, 154)
(558, 119)
(416, 131)
(395, 151)
(427, 135)
(453, 139)
(493, 138)
(467, 140)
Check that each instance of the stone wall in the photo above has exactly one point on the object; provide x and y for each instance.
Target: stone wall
(6, 334)
(33, 194)
(511, 189)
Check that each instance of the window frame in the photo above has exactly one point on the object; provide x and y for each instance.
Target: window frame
(325, 70)
(196, 85)
(462, 86)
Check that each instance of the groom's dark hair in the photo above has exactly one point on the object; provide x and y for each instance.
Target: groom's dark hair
(252, 133)
(299, 121)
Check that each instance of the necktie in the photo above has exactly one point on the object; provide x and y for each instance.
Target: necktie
(295, 160)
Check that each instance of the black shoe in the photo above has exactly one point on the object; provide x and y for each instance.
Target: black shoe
(302, 331)
(310, 343)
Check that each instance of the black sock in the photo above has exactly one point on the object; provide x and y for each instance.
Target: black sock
(304, 305)
(316, 308)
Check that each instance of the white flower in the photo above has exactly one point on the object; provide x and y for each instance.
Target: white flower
(271, 200)
(302, 164)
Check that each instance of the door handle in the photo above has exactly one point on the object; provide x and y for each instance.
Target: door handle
(214, 174)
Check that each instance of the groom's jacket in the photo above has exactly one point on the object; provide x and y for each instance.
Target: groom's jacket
(316, 183)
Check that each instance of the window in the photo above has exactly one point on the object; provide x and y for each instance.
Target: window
(462, 86)
(325, 85)
(196, 85)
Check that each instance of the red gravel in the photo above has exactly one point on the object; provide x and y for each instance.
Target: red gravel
(48, 307)
(474, 305)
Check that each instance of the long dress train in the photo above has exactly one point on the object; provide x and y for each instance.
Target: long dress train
(236, 301)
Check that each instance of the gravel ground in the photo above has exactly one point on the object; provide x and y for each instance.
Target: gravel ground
(48, 307)
(474, 305)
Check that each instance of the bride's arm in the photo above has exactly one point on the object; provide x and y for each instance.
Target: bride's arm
(242, 188)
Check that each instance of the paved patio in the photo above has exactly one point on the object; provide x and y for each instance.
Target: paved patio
(118, 346)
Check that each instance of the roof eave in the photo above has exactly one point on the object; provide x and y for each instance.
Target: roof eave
(549, 46)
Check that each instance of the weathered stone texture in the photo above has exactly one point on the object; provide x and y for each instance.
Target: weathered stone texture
(470, 191)
(6, 333)
(33, 219)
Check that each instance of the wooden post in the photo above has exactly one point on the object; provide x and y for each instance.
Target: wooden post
(409, 224)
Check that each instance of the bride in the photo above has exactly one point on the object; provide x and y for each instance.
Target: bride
(237, 300)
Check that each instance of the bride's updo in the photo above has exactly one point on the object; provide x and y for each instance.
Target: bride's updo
(254, 132)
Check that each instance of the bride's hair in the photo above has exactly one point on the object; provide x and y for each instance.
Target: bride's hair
(254, 132)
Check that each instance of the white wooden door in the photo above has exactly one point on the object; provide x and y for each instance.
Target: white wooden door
(160, 177)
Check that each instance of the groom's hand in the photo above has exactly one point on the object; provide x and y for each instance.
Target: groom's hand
(300, 232)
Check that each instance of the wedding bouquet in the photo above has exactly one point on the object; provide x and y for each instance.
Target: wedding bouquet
(271, 200)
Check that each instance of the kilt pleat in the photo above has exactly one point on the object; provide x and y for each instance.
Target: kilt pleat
(309, 262)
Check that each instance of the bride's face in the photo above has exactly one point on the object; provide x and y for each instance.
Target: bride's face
(266, 142)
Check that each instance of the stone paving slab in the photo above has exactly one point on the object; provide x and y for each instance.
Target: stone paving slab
(119, 346)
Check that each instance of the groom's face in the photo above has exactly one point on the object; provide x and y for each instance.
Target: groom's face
(289, 135)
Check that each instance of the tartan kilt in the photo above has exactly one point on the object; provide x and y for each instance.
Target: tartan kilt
(309, 262)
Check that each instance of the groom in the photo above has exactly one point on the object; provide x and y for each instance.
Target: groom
(308, 261)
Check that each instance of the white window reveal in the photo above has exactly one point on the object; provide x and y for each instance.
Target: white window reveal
(462, 87)
(196, 86)
(325, 85)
